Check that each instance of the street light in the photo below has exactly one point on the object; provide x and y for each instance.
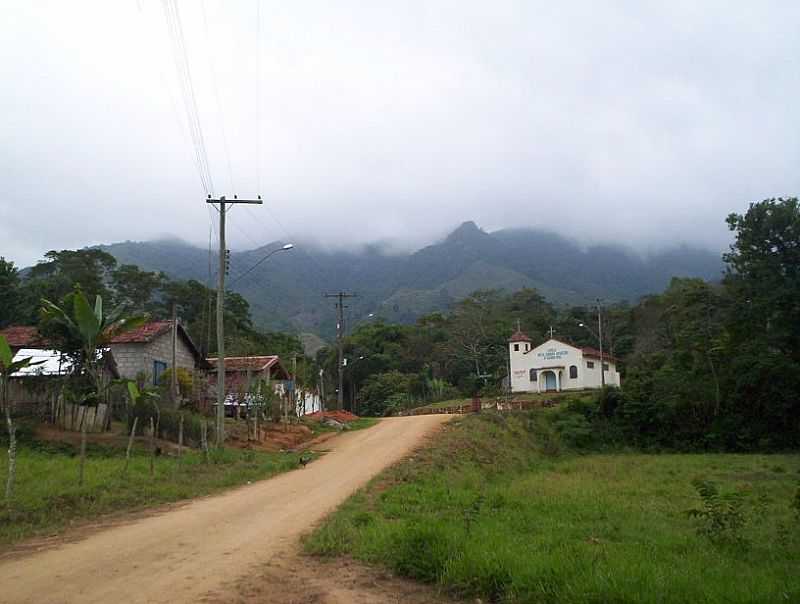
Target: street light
(599, 336)
(284, 248)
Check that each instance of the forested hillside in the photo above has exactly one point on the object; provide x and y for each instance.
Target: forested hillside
(285, 292)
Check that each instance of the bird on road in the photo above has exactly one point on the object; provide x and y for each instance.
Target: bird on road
(304, 459)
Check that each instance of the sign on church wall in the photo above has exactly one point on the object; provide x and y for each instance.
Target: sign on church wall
(552, 354)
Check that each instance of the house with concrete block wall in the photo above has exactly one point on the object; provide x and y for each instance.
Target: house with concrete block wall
(147, 351)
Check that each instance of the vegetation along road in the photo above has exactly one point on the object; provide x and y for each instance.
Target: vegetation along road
(185, 554)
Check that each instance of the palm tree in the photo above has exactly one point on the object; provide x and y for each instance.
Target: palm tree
(91, 327)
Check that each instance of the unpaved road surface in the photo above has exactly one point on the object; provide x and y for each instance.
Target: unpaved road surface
(198, 551)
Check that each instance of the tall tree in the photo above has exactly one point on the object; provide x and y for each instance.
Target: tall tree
(764, 274)
(136, 287)
(10, 293)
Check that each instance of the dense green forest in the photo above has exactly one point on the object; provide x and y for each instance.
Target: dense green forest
(704, 365)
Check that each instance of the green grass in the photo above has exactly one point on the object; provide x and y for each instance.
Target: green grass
(362, 423)
(359, 424)
(483, 512)
(525, 396)
(47, 496)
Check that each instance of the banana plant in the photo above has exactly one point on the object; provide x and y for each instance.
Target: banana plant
(91, 327)
(8, 366)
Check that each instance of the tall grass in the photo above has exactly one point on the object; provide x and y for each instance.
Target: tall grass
(48, 496)
(491, 511)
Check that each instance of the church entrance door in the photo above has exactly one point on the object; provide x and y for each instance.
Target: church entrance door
(549, 381)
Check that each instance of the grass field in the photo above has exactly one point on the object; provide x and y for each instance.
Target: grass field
(525, 396)
(47, 496)
(485, 512)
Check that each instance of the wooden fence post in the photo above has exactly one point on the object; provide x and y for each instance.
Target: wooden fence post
(130, 444)
(152, 446)
(83, 451)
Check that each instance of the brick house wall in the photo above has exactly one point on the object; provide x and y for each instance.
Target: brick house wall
(135, 358)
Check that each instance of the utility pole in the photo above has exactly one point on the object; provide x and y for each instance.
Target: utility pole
(322, 390)
(600, 338)
(294, 378)
(173, 389)
(223, 256)
(340, 341)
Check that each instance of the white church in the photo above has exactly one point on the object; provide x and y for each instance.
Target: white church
(555, 366)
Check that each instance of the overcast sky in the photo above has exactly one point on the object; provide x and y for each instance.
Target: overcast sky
(640, 122)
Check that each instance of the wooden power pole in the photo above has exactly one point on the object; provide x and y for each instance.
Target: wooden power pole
(223, 255)
(340, 340)
(173, 386)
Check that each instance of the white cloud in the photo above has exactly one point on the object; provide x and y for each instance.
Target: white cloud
(642, 123)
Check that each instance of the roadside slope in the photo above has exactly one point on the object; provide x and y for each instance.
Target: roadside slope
(182, 555)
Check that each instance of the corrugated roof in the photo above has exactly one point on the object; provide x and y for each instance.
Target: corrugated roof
(144, 334)
(256, 363)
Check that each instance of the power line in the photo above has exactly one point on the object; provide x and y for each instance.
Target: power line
(216, 96)
(172, 101)
(180, 56)
(258, 96)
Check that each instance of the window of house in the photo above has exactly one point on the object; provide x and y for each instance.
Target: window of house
(605, 366)
(533, 375)
(516, 347)
(573, 372)
(527, 347)
(590, 364)
(159, 368)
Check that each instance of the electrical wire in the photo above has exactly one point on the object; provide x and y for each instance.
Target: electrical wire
(183, 70)
(216, 96)
(258, 96)
(172, 101)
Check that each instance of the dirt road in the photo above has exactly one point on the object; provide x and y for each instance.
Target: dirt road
(199, 550)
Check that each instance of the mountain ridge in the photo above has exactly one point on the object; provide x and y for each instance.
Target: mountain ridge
(285, 292)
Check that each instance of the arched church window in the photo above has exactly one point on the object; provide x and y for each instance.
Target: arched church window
(533, 375)
(573, 372)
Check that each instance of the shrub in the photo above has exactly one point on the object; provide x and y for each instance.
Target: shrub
(574, 429)
(167, 422)
(722, 516)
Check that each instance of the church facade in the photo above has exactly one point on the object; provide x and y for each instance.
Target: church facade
(554, 366)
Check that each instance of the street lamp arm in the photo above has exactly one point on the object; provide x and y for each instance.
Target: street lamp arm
(590, 330)
(285, 248)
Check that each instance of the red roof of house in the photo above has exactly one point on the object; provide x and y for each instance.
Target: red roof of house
(519, 337)
(143, 334)
(19, 336)
(253, 363)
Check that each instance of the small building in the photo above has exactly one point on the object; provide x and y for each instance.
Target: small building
(242, 372)
(554, 366)
(239, 371)
(147, 350)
